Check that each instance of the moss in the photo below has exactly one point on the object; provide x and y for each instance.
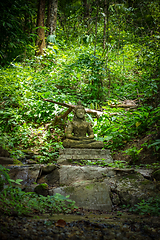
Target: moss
(27, 151)
(146, 182)
(90, 187)
(17, 162)
(42, 189)
(132, 176)
(69, 189)
(42, 186)
(61, 185)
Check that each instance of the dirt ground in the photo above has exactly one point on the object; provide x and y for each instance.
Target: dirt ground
(95, 225)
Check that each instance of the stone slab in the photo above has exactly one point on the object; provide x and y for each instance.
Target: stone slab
(67, 155)
(70, 174)
(88, 195)
(67, 175)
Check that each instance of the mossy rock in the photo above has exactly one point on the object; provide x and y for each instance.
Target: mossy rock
(132, 176)
(90, 186)
(42, 186)
(156, 175)
(48, 168)
(70, 189)
(42, 189)
(27, 152)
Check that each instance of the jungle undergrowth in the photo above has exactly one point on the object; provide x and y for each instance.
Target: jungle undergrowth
(14, 201)
(25, 117)
(147, 207)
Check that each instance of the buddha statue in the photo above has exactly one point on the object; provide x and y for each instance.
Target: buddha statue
(79, 132)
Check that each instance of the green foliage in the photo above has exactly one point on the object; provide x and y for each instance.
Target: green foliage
(16, 29)
(76, 66)
(24, 115)
(15, 201)
(134, 153)
(147, 207)
(4, 173)
(118, 129)
(93, 68)
(153, 166)
(102, 163)
(155, 144)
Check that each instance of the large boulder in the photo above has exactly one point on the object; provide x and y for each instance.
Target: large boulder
(129, 189)
(87, 194)
(29, 174)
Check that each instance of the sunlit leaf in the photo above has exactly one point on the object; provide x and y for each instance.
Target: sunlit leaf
(28, 94)
(138, 124)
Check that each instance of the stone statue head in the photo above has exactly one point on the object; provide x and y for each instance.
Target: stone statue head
(79, 112)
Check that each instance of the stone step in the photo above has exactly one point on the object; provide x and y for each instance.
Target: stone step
(67, 154)
(71, 151)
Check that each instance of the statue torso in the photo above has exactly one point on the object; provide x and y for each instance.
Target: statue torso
(80, 128)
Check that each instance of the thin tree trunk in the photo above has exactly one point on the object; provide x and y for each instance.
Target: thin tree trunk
(52, 16)
(40, 27)
(107, 14)
(86, 9)
(105, 39)
(109, 77)
(96, 29)
(105, 23)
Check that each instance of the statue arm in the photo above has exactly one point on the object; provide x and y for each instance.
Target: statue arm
(90, 132)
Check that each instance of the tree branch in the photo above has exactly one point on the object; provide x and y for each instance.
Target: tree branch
(71, 107)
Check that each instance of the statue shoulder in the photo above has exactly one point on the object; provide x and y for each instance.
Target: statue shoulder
(89, 124)
(69, 123)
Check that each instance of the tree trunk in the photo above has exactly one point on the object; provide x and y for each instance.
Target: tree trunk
(105, 24)
(52, 16)
(96, 28)
(40, 27)
(86, 9)
(106, 35)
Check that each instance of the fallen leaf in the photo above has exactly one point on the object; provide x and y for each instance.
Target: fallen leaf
(60, 223)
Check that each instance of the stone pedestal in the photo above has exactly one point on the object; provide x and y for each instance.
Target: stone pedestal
(67, 155)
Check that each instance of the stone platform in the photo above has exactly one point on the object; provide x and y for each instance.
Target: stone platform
(67, 155)
(91, 187)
